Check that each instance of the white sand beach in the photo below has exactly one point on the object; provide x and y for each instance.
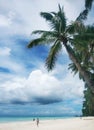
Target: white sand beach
(86, 123)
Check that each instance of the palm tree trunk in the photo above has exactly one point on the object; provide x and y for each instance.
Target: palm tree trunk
(84, 73)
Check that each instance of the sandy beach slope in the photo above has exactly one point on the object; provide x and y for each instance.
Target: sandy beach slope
(86, 123)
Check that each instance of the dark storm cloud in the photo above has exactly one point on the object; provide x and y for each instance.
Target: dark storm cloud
(37, 100)
(47, 100)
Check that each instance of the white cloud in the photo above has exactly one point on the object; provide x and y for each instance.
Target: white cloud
(5, 51)
(41, 85)
(4, 21)
(73, 86)
(27, 13)
(7, 20)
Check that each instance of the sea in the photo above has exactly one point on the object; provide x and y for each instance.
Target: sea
(17, 119)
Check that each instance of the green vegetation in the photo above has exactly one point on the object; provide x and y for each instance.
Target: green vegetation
(88, 5)
(88, 104)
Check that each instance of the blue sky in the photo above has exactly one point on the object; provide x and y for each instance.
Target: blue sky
(26, 88)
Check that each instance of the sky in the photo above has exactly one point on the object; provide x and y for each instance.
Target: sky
(26, 87)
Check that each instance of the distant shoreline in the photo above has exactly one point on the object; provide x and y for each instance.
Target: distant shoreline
(17, 119)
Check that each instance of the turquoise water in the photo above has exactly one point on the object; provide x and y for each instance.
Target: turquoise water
(13, 119)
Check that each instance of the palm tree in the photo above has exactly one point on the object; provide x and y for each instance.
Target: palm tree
(60, 36)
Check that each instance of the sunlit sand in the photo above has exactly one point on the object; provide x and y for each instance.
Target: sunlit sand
(86, 123)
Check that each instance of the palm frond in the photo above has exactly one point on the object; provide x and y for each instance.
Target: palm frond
(70, 29)
(38, 32)
(57, 21)
(51, 18)
(84, 37)
(36, 42)
(73, 67)
(52, 57)
(83, 41)
(50, 34)
(82, 16)
(62, 18)
(75, 27)
(45, 33)
(54, 13)
(60, 9)
(90, 29)
(88, 4)
(46, 16)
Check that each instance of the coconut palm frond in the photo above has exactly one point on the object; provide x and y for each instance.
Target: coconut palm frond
(84, 41)
(84, 37)
(36, 42)
(55, 24)
(62, 18)
(51, 18)
(73, 68)
(46, 16)
(57, 20)
(45, 33)
(52, 57)
(49, 33)
(90, 29)
(54, 13)
(88, 4)
(82, 16)
(75, 27)
(38, 32)
(70, 29)
(79, 27)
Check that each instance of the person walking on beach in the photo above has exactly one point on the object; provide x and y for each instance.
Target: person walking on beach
(37, 121)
